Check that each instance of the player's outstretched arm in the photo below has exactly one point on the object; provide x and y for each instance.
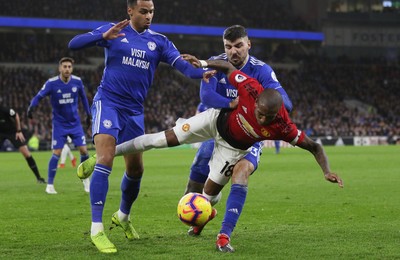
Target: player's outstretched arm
(318, 151)
(90, 39)
(220, 65)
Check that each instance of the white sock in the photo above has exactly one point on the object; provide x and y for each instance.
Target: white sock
(96, 228)
(142, 143)
(122, 216)
(64, 153)
(213, 199)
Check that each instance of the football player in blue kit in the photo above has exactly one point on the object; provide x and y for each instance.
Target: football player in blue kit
(218, 93)
(64, 91)
(132, 54)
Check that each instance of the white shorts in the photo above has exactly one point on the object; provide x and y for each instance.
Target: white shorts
(202, 127)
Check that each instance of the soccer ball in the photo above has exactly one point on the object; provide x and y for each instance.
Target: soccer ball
(194, 209)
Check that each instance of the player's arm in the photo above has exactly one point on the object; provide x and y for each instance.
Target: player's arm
(32, 106)
(18, 134)
(187, 69)
(318, 151)
(14, 117)
(85, 103)
(44, 91)
(268, 79)
(211, 98)
(90, 39)
(84, 99)
(220, 65)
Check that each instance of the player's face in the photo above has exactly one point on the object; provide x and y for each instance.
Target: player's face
(141, 15)
(65, 69)
(237, 51)
(263, 116)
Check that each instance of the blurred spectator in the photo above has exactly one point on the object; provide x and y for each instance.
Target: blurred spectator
(207, 13)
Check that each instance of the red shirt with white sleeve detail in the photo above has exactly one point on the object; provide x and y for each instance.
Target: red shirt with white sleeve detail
(239, 126)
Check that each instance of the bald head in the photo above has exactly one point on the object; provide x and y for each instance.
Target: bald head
(268, 104)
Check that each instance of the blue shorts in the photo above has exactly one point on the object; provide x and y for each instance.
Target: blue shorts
(60, 134)
(121, 123)
(200, 169)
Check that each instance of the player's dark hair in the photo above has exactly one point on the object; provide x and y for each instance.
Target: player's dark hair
(131, 3)
(64, 59)
(234, 32)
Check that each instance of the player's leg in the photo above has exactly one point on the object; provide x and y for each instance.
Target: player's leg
(200, 169)
(221, 165)
(70, 154)
(23, 149)
(105, 130)
(130, 188)
(59, 137)
(277, 146)
(105, 148)
(198, 128)
(64, 154)
(212, 191)
(131, 180)
(52, 170)
(237, 196)
(84, 156)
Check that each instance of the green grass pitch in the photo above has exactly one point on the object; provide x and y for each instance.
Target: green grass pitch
(291, 212)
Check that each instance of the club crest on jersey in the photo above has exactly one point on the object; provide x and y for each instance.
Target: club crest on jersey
(151, 45)
(240, 78)
(264, 132)
(185, 127)
(107, 123)
(74, 89)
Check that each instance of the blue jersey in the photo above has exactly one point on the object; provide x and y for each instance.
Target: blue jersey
(220, 84)
(64, 100)
(130, 64)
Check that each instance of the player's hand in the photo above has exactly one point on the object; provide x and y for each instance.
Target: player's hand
(332, 177)
(234, 103)
(192, 60)
(19, 136)
(208, 74)
(114, 32)
(30, 112)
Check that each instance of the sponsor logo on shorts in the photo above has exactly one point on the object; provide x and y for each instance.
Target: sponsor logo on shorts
(107, 123)
(185, 127)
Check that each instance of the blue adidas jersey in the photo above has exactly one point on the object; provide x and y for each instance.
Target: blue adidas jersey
(130, 64)
(220, 83)
(64, 98)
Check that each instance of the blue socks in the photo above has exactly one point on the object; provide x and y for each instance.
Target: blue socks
(130, 190)
(98, 191)
(84, 157)
(51, 172)
(234, 206)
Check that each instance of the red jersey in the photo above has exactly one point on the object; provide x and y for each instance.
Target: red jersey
(239, 126)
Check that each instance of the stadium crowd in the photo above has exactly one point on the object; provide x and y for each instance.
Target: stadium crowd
(319, 91)
(191, 12)
(322, 89)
